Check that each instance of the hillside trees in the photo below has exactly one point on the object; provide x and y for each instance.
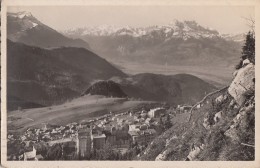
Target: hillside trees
(54, 153)
(248, 50)
(168, 123)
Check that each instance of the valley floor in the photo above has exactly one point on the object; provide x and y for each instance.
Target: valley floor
(83, 108)
(218, 76)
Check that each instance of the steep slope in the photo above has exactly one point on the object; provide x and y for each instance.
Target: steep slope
(220, 127)
(178, 43)
(51, 76)
(15, 103)
(25, 28)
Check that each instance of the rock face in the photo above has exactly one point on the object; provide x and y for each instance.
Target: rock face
(161, 156)
(242, 83)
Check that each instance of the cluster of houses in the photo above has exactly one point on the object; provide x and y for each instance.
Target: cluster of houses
(118, 130)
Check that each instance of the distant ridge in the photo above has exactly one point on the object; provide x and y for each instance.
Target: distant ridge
(48, 77)
(25, 28)
(178, 43)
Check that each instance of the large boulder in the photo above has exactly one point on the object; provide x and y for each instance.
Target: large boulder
(242, 83)
(195, 152)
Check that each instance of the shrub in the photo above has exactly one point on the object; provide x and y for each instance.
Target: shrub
(239, 65)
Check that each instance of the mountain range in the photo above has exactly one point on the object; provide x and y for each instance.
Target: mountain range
(178, 43)
(46, 68)
(40, 77)
(185, 30)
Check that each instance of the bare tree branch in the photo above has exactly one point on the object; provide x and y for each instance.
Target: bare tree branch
(250, 23)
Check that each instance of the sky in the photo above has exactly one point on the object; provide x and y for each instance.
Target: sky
(225, 19)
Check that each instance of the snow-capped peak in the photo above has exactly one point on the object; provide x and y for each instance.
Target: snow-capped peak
(240, 37)
(177, 29)
(25, 20)
(21, 15)
(34, 24)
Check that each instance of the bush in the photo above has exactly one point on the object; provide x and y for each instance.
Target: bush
(239, 65)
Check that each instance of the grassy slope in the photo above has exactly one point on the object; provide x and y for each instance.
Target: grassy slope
(77, 110)
(218, 146)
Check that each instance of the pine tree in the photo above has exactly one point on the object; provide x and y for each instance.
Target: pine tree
(248, 50)
(168, 123)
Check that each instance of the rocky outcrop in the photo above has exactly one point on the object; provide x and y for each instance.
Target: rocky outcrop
(242, 83)
(195, 152)
(161, 156)
(218, 116)
(220, 99)
(234, 130)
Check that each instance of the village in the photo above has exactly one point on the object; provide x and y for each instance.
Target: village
(79, 140)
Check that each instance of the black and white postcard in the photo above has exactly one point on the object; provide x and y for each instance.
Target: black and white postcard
(119, 83)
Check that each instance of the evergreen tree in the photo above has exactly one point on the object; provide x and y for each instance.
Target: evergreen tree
(161, 121)
(168, 123)
(55, 152)
(248, 50)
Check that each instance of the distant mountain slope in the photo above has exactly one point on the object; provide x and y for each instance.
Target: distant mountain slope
(106, 88)
(31, 94)
(174, 89)
(14, 103)
(178, 43)
(50, 76)
(25, 28)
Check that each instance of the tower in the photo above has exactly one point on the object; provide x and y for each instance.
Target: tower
(84, 142)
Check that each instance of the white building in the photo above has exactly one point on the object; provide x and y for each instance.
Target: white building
(30, 155)
(156, 112)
